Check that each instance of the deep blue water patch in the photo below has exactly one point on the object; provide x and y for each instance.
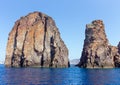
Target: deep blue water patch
(58, 76)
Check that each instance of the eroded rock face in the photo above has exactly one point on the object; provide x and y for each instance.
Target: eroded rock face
(35, 41)
(97, 53)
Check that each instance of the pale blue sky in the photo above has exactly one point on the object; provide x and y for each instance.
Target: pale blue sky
(70, 16)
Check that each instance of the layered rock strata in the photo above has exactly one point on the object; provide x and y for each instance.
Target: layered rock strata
(35, 41)
(97, 53)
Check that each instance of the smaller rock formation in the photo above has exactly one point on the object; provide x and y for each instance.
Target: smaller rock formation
(35, 41)
(97, 53)
(117, 56)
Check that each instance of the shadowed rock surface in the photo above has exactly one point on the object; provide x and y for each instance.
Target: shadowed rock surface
(35, 41)
(117, 57)
(97, 53)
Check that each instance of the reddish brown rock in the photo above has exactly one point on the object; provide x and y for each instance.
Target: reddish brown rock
(97, 53)
(35, 41)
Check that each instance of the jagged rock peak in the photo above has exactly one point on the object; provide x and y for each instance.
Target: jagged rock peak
(96, 23)
(95, 32)
(96, 50)
(35, 41)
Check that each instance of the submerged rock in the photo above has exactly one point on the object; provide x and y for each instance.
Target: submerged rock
(97, 53)
(35, 41)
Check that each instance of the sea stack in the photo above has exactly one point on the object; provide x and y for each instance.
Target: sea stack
(97, 53)
(35, 41)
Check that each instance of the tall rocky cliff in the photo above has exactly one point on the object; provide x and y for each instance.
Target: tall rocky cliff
(35, 41)
(97, 53)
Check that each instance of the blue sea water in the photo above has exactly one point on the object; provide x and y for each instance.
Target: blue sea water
(58, 76)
